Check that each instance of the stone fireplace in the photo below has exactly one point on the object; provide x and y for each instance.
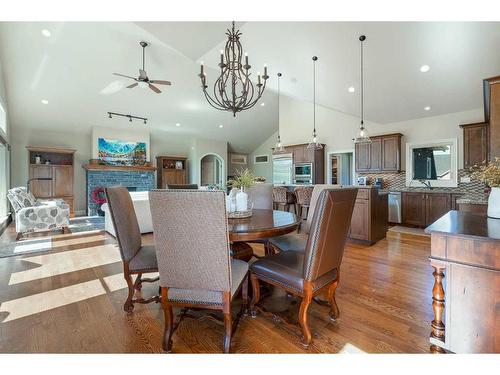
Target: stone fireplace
(133, 178)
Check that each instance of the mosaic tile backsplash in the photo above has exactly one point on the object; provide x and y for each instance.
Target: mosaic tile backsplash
(397, 181)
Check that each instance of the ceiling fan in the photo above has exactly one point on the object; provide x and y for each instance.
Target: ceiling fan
(143, 80)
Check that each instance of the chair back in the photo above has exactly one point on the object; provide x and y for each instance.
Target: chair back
(312, 204)
(182, 186)
(261, 195)
(191, 239)
(121, 209)
(20, 198)
(327, 237)
(303, 194)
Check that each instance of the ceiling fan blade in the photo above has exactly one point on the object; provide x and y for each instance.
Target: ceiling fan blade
(142, 74)
(132, 85)
(161, 82)
(155, 89)
(123, 75)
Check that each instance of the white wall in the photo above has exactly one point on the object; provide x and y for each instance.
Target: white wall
(336, 130)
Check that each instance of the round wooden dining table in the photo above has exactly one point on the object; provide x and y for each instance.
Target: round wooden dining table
(261, 225)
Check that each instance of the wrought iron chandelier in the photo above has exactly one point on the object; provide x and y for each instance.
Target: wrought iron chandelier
(362, 136)
(234, 90)
(279, 146)
(314, 144)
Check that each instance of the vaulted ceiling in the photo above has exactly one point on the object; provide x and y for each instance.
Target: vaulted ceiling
(72, 70)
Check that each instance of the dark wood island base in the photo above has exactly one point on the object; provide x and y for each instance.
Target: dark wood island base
(465, 256)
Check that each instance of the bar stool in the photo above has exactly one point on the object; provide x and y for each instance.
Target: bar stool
(303, 195)
(282, 197)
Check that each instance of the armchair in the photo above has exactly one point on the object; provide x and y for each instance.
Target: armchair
(32, 215)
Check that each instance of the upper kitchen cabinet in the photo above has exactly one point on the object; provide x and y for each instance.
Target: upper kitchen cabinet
(383, 154)
(492, 114)
(475, 143)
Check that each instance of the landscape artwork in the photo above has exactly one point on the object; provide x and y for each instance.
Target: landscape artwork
(116, 152)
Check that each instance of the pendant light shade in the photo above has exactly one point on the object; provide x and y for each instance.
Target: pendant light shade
(362, 136)
(314, 144)
(279, 146)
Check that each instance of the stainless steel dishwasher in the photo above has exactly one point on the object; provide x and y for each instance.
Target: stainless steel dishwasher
(394, 202)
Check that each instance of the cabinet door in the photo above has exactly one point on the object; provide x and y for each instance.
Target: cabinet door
(376, 155)
(41, 189)
(299, 154)
(391, 153)
(475, 144)
(414, 209)
(180, 177)
(63, 180)
(437, 205)
(360, 220)
(169, 177)
(362, 155)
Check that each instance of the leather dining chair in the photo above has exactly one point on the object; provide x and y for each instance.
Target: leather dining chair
(192, 247)
(298, 241)
(137, 259)
(309, 273)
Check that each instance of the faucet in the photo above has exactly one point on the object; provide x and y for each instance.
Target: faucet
(426, 183)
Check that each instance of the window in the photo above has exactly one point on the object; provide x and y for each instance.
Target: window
(261, 159)
(238, 159)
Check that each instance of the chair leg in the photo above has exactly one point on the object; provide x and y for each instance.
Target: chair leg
(169, 322)
(255, 294)
(306, 331)
(129, 305)
(228, 327)
(65, 230)
(334, 309)
(19, 236)
(138, 282)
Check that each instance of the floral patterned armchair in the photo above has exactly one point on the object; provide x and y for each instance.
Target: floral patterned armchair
(34, 215)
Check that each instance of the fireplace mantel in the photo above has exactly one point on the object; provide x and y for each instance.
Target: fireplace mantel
(101, 167)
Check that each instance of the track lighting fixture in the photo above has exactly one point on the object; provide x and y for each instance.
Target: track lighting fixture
(130, 117)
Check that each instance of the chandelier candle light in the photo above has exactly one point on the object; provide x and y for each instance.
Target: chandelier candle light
(279, 146)
(233, 90)
(363, 133)
(314, 142)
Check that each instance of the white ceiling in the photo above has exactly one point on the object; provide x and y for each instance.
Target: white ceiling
(73, 67)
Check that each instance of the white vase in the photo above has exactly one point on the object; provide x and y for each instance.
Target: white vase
(494, 203)
(241, 201)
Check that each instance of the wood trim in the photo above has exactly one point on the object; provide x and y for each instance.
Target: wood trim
(100, 167)
(51, 149)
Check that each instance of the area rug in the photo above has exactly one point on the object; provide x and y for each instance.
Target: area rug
(408, 230)
(94, 225)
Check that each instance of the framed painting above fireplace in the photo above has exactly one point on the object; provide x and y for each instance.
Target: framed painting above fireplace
(116, 152)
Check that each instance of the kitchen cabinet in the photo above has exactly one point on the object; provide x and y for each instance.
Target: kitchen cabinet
(422, 209)
(383, 154)
(171, 170)
(492, 114)
(475, 143)
(369, 216)
(302, 154)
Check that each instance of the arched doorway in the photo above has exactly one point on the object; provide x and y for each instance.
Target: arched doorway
(212, 170)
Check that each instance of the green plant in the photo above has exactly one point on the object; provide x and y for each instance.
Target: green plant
(489, 173)
(244, 179)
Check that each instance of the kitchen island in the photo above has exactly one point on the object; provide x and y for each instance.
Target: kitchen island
(465, 249)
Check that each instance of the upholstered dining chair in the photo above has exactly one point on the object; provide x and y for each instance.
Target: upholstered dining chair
(261, 195)
(298, 241)
(192, 247)
(303, 194)
(137, 259)
(182, 186)
(282, 197)
(309, 273)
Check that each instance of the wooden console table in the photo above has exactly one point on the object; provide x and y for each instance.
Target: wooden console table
(465, 255)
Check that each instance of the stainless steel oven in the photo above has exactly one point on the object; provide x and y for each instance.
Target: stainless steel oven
(303, 173)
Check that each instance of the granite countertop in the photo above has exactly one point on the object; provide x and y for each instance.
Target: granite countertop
(472, 200)
(422, 190)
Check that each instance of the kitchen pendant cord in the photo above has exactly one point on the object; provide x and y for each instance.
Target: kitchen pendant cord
(279, 76)
(314, 95)
(362, 82)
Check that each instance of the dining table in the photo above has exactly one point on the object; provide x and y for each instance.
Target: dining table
(263, 224)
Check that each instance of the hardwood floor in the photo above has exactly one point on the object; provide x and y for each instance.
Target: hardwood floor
(70, 300)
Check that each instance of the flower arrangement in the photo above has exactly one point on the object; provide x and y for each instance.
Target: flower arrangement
(488, 173)
(98, 195)
(243, 180)
(260, 179)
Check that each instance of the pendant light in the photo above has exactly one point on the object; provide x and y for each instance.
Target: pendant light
(314, 144)
(279, 146)
(362, 137)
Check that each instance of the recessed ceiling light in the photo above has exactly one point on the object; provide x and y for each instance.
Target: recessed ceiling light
(221, 126)
(351, 89)
(46, 33)
(425, 68)
(177, 124)
(427, 108)
(45, 101)
(262, 104)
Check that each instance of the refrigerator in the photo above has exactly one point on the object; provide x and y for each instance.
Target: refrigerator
(282, 169)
